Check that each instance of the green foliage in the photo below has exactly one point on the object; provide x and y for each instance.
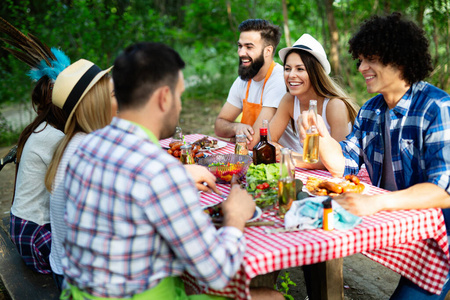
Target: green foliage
(284, 285)
(7, 135)
(204, 32)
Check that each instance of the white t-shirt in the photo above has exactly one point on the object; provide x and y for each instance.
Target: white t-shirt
(274, 91)
(58, 205)
(32, 200)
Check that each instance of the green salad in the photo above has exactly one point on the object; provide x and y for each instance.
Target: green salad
(262, 184)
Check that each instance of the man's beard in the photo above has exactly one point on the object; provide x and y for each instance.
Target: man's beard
(247, 73)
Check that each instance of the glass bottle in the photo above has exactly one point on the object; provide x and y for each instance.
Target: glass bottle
(311, 143)
(286, 183)
(241, 145)
(264, 152)
(178, 135)
(187, 156)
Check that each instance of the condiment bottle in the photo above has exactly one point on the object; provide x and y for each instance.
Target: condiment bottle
(264, 152)
(328, 219)
(187, 156)
(241, 145)
(311, 144)
(286, 183)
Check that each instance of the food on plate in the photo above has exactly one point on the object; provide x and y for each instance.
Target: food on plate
(205, 143)
(320, 187)
(215, 213)
(175, 150)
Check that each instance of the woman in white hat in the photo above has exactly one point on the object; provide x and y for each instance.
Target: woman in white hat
(306, 70)
(83, 91)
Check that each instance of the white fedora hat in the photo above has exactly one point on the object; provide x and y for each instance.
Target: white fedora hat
(309, 44)
(73, 83)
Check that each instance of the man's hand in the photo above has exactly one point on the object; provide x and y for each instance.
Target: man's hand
(303, 125)
(205, 181)
(238, 208)
(240, 128)
(359, 204)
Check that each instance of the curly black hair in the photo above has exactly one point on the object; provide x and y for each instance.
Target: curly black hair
(397, 42)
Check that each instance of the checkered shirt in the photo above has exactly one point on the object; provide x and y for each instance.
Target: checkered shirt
(134, 218)
(420, 138)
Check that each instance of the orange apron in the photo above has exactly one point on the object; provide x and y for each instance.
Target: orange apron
(250, 111)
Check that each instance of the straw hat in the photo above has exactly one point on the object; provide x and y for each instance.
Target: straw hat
(73, 83)
(309, 44)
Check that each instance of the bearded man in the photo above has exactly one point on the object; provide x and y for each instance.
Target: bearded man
(258, 90)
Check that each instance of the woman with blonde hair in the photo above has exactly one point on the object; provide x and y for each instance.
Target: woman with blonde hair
(83, 91)
(306, 70)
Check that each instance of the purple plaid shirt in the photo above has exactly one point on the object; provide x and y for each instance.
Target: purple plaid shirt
(134, 218)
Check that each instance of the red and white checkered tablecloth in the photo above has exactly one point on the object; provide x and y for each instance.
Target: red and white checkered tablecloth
(413, 243)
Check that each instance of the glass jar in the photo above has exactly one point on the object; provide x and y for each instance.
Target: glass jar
(241, 145)
(187, 155)
(178, 135)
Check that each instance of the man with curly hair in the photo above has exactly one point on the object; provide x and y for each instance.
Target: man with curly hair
(402, 134)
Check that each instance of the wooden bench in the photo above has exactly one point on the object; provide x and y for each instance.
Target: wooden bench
(20, 281)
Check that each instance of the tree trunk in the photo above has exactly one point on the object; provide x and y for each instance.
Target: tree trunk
(287, 34)
(387, 7)
(420, 12)
(334, 35)
(230, 16)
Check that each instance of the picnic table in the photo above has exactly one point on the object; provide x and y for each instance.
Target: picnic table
(412, 243)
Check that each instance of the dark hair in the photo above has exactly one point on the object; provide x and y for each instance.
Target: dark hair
(41, 99)
(398, 42)
(270, 33)
(141, 69)
(322, 83)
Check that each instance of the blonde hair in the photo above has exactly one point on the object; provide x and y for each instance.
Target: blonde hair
(323, 84)
(93, 112)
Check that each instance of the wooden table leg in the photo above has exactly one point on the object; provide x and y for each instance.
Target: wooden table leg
(266, 280)
(324, 281)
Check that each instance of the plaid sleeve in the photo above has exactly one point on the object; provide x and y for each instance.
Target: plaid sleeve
(209, 255)
(351, 149)
(437, 144)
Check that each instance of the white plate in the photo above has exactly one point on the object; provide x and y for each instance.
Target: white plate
(220, 144)
(256, 215)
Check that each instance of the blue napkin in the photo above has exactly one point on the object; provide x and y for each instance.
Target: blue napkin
(307, 214)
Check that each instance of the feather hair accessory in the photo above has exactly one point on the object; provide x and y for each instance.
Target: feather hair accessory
(61, 62)
(42, 60)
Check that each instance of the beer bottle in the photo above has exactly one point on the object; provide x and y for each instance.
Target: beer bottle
(264, 152)
(311, 144)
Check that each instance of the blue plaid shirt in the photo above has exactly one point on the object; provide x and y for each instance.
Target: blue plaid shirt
(134, 218)
(420, 138)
